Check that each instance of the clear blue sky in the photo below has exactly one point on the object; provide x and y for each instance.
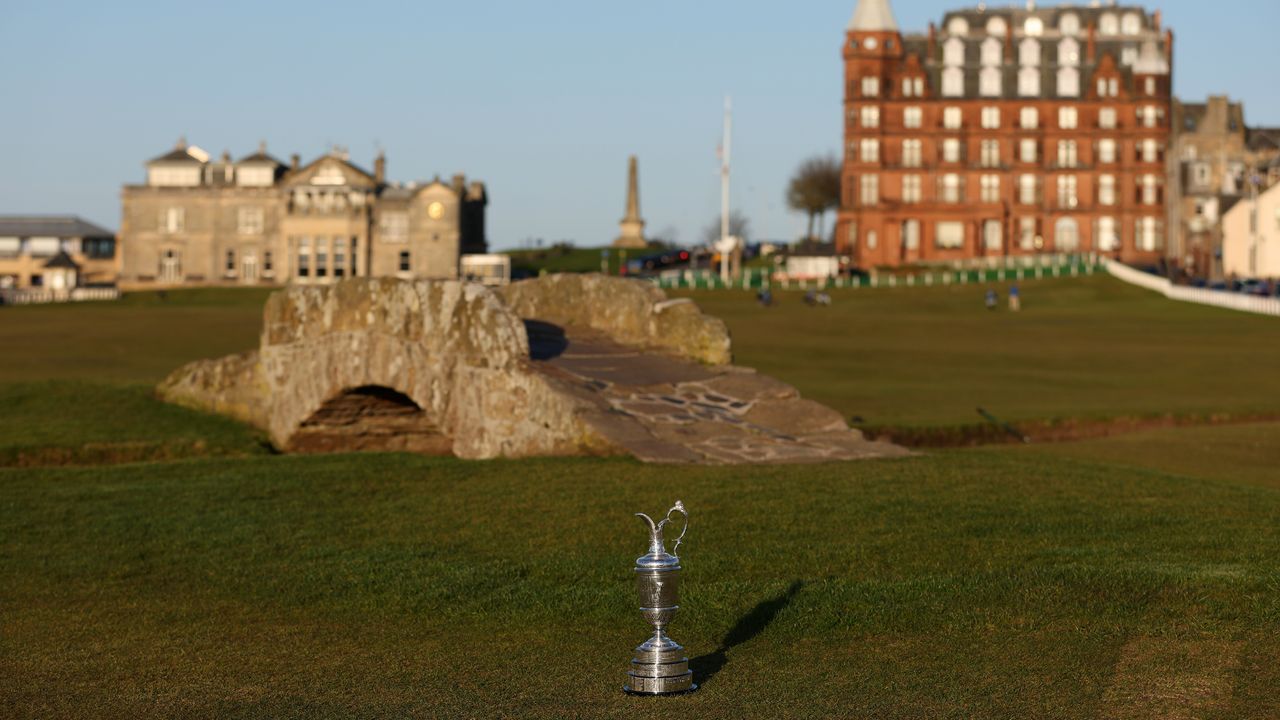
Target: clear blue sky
(542, 100)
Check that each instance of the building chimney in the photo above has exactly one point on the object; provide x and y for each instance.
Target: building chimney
(1091, 44)
(295, 161)
(933, 42)
(226, 157)
(380, 168)
(1155, 19)
(459, 183)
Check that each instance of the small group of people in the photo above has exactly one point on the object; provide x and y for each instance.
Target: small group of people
(812, 298)
(1015, 299)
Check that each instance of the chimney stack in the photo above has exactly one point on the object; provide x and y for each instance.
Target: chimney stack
(295, 161)
(380, 168)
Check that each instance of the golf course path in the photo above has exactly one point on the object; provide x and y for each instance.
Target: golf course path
(669, 410)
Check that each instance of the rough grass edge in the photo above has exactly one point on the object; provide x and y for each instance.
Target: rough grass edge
(1051, 430)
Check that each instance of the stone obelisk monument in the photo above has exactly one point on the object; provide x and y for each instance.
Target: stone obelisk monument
(632, 227)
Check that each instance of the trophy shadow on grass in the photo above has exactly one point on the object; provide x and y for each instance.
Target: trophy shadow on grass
(747, 628)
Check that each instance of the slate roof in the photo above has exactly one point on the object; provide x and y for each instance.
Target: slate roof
(259, 157)
(62, 260)
(60, 226)
(1263, 139)
(177, 155)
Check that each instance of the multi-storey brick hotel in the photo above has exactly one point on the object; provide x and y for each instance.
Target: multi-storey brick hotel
(1008, 131)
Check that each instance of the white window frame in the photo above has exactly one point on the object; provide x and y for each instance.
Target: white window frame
(250, 221)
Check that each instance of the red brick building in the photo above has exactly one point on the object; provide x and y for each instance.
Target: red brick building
(1007, 131)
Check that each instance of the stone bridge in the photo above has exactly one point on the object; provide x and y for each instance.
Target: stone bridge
(445, 367)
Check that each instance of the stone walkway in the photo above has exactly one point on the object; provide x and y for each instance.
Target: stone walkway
(667, 410)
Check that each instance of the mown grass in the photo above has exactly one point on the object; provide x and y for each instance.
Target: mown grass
(975, 584)
(77, 381)
(1082, 349)
(80, 422)
(1248, 454)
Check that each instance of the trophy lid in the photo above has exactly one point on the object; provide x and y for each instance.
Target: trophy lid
(661, 560)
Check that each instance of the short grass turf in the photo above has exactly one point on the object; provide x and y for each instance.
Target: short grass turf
(1248, 454)
(77, 381)
(1086, 348)
(965, 584)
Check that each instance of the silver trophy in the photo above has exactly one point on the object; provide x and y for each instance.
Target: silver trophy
(660, 666)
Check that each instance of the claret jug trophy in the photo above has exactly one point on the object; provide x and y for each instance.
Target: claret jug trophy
(660, 666)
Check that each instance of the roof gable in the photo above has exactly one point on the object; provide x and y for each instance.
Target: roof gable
(331, 171)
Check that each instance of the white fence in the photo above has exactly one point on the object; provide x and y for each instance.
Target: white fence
(39, 297)
(1217, 298)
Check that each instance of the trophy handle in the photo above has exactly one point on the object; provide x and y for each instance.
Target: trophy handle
(679, 507)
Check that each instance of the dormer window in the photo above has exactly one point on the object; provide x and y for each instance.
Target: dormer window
(1131, 24)
(1029, 52)
(1034, 27)
(1069, 24)
(997, 26)
(992, 52)
(953, 52)
(958, 26)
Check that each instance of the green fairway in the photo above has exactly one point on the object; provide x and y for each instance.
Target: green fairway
(77, 380)
(1084, 349)
(966, 584)
(1125, 577)
(1248, 454)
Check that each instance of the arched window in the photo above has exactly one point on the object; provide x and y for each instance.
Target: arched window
(1034, 26)
(952, 82)
(958, 26)
(1069, 52)
(997, 26)
(1109, 25)
(1131, 24)
(1068, 82)
(911, 234)
(1106, 235)
(1069, 24)
(1066, 235)
(1029, 52)
(991, 82)
(953, 52)
(992, 52)
(1029, 82)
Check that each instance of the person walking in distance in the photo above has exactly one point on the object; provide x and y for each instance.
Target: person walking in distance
(1015, 299)
(992, 299)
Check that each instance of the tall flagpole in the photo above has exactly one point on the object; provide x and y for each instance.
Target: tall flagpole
(724, 188)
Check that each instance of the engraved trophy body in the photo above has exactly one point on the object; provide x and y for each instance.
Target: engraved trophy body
(660, 666)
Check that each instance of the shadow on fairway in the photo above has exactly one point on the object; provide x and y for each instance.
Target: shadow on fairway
(748, 626)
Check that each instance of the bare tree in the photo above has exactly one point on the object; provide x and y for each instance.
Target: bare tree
(738, 226)
(815, 188)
